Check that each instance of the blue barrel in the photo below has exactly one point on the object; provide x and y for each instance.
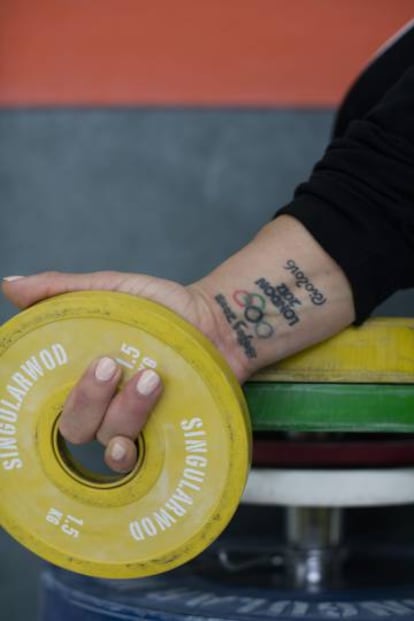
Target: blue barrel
(202, 592)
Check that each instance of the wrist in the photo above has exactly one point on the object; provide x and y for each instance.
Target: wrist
(278, 295)
(218, 327)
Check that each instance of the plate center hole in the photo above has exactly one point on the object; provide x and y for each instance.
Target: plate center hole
(86, 462)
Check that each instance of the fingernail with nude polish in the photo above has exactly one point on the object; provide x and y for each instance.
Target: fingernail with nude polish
(147, 383)
(118, 451)
(105, 369)
(12, 278)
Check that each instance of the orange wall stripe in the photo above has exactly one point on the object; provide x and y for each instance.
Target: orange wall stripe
(195, 52)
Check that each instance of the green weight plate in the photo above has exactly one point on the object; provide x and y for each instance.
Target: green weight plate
(331, 407)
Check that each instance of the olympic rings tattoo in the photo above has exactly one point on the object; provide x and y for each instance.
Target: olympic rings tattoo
(254, 306)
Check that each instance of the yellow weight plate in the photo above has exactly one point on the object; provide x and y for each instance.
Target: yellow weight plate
(380, 351)
(194, 451)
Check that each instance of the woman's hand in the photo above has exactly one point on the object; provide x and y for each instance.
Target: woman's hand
(94, 408)
(276, 296)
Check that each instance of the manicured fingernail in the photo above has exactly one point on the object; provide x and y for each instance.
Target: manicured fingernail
(118, 451)
(105, 369)
(12, 278)
(147, 383)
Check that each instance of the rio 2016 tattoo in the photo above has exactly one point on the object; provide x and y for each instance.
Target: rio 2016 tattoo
(316, 297)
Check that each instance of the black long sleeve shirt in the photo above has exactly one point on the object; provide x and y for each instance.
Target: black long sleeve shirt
(359, 201)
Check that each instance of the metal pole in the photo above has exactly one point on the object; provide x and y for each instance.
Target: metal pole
(314, 555)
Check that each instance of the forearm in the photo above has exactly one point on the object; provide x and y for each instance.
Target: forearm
(278, 295)
(359, 200)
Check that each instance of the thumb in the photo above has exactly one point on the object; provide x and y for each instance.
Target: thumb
(26, 290)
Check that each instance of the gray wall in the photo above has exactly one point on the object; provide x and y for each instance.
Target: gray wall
(167, 192)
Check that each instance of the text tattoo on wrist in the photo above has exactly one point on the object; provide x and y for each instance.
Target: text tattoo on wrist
(253, 319)
(248, 317)
(282, 299)
(316, 297)
(253, 323)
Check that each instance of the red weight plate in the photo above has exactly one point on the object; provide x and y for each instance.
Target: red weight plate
(288, 453)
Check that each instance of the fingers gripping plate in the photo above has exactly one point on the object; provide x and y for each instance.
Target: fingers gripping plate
(194, 451)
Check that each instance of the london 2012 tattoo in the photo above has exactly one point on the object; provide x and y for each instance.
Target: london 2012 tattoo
(282, 299)
(316, 296)
(247, 316)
